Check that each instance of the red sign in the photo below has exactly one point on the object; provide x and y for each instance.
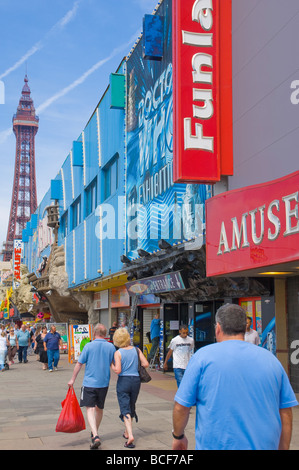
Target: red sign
(253, 227)
(119, 297)
(200, 77)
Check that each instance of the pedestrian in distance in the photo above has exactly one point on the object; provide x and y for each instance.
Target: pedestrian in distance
(181, 347)
(23, 336)
(3, 350)
(112, 330)
(39, 347)
(155, 336)
(97, 357)
(125, 365)
(52, 341)
(242, 394)
(13, 345)
(251, 336)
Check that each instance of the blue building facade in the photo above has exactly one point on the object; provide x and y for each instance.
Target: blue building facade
(123, 226)
(116, 201)
(114, 193)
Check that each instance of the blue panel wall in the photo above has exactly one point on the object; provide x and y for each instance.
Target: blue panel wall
(79, 255)
(91, 150)
(90, 156)
(93, 248)
(66, 175)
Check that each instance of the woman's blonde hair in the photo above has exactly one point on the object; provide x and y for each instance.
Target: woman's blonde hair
(121, 338)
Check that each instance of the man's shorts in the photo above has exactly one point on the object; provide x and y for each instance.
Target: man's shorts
(92, 397)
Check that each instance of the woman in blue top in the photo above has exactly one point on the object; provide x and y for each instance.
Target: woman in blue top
(128, 383)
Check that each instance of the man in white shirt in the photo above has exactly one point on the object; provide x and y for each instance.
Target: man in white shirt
(181, 346)
(251, 336)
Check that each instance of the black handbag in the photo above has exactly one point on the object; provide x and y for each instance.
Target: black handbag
(143, 373)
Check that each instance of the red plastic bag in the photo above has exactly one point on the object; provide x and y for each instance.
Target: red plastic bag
(71, 418)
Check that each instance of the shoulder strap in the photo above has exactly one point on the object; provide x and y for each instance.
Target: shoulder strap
(138, 357)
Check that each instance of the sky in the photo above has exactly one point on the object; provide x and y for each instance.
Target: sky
(68, 48)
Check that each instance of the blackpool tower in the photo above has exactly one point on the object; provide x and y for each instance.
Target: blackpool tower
(24, 198)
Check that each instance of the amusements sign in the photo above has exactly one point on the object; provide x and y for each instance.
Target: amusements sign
(253, 227)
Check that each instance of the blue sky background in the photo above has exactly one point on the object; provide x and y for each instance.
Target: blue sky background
(69, 47)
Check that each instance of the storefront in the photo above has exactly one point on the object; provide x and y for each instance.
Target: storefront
(101, 306)
(257, 235)
(120, 305)
(188, 299)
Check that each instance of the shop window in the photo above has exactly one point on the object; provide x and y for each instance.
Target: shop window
(111, 177)
(64, 225)
(253, 309)
(91, 198)
(76, 213)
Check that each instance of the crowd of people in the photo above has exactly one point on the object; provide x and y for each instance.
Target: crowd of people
(18, 342)
(241, 392)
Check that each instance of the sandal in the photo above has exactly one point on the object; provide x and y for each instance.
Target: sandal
(95, 442)
(130, 446)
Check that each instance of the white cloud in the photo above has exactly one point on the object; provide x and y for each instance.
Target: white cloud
(85, 75)
(5, 134)
(40, 44)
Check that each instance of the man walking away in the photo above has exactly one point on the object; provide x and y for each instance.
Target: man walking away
(97, 357)
(242, 394)
(52, 341)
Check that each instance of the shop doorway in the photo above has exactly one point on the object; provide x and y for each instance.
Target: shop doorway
(253, 309)
(175, 315)
(204, 323)
(146, 315)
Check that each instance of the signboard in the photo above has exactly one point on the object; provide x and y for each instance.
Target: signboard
(120, 297)
(253, 227)
(79, 336)
(202, 90)
(156, 207)
(17, 257)
(157, 284)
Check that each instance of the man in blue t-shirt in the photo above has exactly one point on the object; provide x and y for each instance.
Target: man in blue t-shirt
(23, 336)
(242, 394)
(52, 341)
(97, 357)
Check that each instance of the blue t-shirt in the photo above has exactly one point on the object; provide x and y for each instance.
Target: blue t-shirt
(155, 328)
(23, 337)
(238, 389)
(52, 341)
(97, 357)
(129, 362)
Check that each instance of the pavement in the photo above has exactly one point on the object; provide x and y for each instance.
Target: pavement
(30, 404)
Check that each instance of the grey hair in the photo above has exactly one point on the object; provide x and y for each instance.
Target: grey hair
(232, 319)
(100, 330)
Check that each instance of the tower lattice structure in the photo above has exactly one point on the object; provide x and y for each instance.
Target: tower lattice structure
(24, 197)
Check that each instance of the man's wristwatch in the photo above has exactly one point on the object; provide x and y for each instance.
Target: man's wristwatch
(178, 437)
